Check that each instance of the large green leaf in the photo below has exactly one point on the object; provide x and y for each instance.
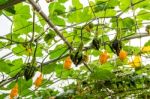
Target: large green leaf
(4, 67)
(59, 50)
(56, 8)
(80, 16)
(3, 1)
(58, 20)
(143, 15)
(106, 13)
(24, 86)
(102, 74)
(77, 4)
(16, 66)
(49, 68)
(23, 11)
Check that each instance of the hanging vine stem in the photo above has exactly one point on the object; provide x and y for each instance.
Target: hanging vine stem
(129, 7)
(34, 55)
(37, 8)
(96, 34)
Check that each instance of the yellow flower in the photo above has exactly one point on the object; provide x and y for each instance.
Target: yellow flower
(146, 49)
(136, 62)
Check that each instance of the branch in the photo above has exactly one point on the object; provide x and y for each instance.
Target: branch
(10, 3)
(38, 9)
(1, 37)
(136, 36)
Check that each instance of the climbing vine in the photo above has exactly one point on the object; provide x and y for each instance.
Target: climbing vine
(78, 49)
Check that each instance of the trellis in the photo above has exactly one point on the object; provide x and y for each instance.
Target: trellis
(52, 26)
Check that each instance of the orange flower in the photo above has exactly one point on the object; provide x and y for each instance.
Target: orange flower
(103, 57)
(122, 55)
(14, 91)
(67, 63)
(38, 81)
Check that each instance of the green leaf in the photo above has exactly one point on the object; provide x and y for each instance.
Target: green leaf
(4, 67)
(24, 86)
(59, 50)
(106, 13)
(128, 23)
(132, 50)
(143, 15)
(38, 51)
(22, 26)
(77, 4)
(62, 1)
(80, 16)
(47, 69)
(16, 66)
(59, 69)
(147, 43)
(10, 11)
(56, 8)
(49, 37)
(23, 11)
(58, 20)
(103, 5)
(124, 4)
(3, 1)
(3, 96)
(19, 50)
(102, 74)
(145, 4)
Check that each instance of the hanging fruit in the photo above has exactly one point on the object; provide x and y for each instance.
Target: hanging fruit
(147, 29)
(85, 58)
(29, 72)
(116, 46)
(103, 57)
(96, 43)
(89, 27)
(29, 50)
(14, 91)
(38, 81)
(122, 55)
(67, 63)
(136, 63)
(76, 57)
